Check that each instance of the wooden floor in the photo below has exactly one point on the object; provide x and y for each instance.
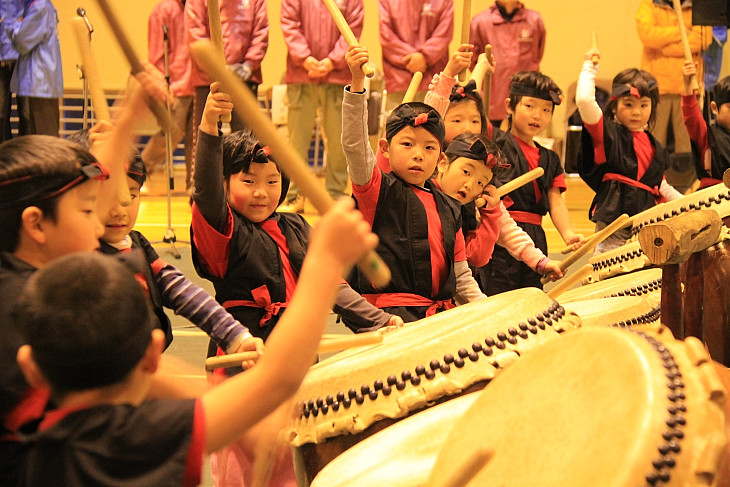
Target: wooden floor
(153, 213)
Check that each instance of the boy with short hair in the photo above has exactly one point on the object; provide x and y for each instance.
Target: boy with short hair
(532, 99)
(419, 225)
(104, 431)
(710, 143)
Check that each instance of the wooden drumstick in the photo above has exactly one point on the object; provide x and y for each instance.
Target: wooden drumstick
(346, 32)
(480, 71)
(286, 157)
(487, 84)
(465, 26)
(685, 42)
(413, 87)
(216, 37)
(98, 99)
(517, 182)
(466, 470)
(590, 243)
(96, 92)
(163, 117)
(325, 346)
(570, 281)
(594, 44)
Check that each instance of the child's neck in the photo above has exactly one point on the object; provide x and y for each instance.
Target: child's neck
(131, 391)
(524, 138)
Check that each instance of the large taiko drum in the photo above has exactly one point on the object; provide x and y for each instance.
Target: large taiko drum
(715, 197)
(352, 395)
(600, 407)
(401, 455)
(645, 283)
(615, 262)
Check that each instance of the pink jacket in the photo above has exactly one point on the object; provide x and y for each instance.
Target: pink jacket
(170, 13)
(408, 26)
(245, 29)
(517, 46)
(310, 31)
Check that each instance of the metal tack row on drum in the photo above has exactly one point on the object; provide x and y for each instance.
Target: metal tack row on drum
(564, 414)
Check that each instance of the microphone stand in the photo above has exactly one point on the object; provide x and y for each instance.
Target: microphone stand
(169, 237)
(82, 73)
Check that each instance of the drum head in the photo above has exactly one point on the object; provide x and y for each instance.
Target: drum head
(401, 455)
(599, 407)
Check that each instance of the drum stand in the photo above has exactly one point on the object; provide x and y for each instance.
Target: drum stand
(169, 237)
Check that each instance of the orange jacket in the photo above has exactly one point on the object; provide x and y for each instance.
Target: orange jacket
(663, 53)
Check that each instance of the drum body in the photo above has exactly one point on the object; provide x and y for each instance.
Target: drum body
(618, 261)
(352, 395)
(602, 407)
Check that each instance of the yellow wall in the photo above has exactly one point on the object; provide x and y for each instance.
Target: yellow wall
(569, 24)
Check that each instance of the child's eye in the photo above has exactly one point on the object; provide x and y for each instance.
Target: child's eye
(247, 180)
(466, 173)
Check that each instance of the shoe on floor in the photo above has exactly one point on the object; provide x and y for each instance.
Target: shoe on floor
(294, 206)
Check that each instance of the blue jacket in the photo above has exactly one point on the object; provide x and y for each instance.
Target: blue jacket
(39, 72)
(10, 11)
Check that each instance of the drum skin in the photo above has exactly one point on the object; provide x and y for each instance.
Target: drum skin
(647, 283)
(600, 406)
(401, 455)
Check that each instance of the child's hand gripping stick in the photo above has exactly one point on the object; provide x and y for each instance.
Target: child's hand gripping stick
(285, 155)
(590, 243)
(216, 37)
(327, 345)
(517, 182)
(346, 32)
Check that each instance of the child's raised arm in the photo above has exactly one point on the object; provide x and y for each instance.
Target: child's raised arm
(460, 60)
(338, 241)
(689, 69)
(585, 91)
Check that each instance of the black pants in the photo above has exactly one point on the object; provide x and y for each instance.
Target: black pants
(38, 116)
(6, 72)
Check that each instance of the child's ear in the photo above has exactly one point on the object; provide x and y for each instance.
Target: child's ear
(30, 369)
(151, 358)
(443, 164)
(384, 147)
(32, 222)
(713, 108)
(506, 106)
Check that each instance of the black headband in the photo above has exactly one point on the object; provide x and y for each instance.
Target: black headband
(137, 170)
(476, 150)
(622, 89)
(520, 89)
(469, 90)
(404, 115)
(34, 188)
(259, 154)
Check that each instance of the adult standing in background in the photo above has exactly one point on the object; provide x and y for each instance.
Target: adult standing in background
(170, 15)
(38, 77)
(415, 36)
(517, 36)
(245, 29)
(10, 11)
(663, 57)
(316, 73)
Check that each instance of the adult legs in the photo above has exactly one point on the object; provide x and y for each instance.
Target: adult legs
(6, 72)
(330, 99)
(302, 107)
(39, 115)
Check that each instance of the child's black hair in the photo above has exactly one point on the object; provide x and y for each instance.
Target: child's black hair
(644, 83)
(535, 84)
(136, 169)
(461, 94)
(87, 320)
(479, 148)
(721, 92)
(240, 149)
(32, 169)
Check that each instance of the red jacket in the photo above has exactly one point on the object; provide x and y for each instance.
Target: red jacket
(408, 26)
(310, 31)
(518, 45)
(171, 14)
(245, 29)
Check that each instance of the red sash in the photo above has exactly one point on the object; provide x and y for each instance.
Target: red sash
(262, 299)
(658, 198)
(525, 217)
(385, 300)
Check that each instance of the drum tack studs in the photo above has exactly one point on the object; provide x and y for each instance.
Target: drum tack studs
(336, 406)
(445, 369)
(523, 335)
(548, 322)
(391, 380)
(340, 396)
(487, 351)
(325, 408)
(513, 340)
(400, 385)
(359, 399)
(378, 385)
(476, 346)
(502, 336)
(386, 390)
(352, 393)
(415, 380)
(532, 321)
(320, 402)
(501, 345)
(346, 403)
(448, 358)
(490, 342)
(523, 326)
(430, 374)
(435, 364)
(463, 352)
(513, 331)
(459, 362)
(406, 375)
(533, 330)
(473, 356)
(541, 325)
(373, 395)
(420, 369)
(365, 388)
(329, 399)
